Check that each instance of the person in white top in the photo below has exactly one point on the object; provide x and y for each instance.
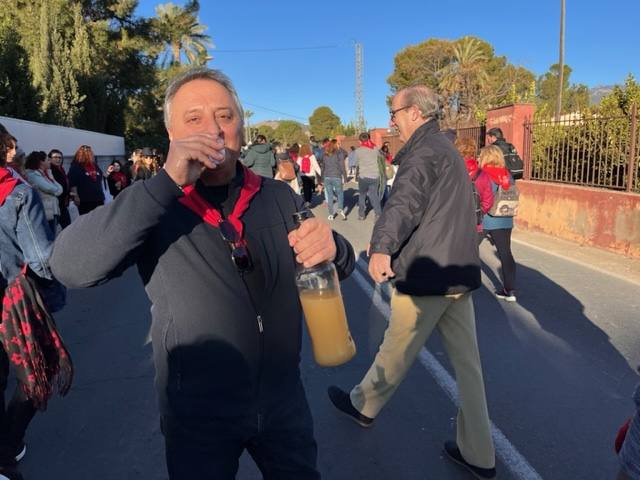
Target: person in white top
(309, 170)
(38, 168)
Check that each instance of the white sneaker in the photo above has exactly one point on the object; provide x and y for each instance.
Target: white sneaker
(342, 215)
(331, 217)
(508, 296)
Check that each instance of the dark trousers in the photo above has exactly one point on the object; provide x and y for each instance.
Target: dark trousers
(368, 187)
(15, 418)
(86, 207)
(65, 218)
(308, 186)
(502, 240)
(280, 441)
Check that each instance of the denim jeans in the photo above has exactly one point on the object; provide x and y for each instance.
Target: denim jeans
(279, 440)
(368, 187)
(333, 185)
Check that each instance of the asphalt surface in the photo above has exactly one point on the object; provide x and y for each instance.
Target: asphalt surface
(559, 371)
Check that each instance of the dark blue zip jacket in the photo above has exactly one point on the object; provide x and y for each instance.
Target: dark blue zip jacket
(213, 356)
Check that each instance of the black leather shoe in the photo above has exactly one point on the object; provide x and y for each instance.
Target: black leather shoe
(452, 451)
(342, 402)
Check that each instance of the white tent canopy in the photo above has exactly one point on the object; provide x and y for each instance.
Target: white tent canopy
(41, 136)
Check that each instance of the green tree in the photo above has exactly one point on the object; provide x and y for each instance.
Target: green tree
(620, 100)
(178, 28)
(18, 98)
(574, 97)
(466, 73)
(288, 132)
(323, 122)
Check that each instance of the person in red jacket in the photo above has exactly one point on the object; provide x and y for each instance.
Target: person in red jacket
(467, 148)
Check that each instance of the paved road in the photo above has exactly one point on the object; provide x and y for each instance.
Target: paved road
(558, 369)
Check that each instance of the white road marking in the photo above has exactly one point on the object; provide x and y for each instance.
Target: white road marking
(505, 451)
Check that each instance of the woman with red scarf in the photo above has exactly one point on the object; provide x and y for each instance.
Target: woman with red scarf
(85, 180)
(498, 229)
(117, 179)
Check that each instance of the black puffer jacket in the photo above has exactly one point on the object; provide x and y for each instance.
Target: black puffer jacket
(428, 224)
(214, 357)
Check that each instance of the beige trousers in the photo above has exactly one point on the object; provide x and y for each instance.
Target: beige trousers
(410, 325)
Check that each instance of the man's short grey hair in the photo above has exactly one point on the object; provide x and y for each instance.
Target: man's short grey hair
(426, 99)
(199, 73)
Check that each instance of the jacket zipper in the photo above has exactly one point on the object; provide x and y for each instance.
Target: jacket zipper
(261, 336)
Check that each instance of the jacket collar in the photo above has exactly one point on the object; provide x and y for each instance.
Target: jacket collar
(430, 127)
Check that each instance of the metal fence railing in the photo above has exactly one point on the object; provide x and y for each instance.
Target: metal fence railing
(476, 133)
(586, 150)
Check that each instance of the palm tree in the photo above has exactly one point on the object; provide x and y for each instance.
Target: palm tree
(178, 29)
(466, 75)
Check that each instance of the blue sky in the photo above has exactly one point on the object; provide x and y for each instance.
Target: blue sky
(602, 45)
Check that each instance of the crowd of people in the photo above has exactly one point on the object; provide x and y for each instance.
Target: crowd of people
(210, 200)
(325, 168)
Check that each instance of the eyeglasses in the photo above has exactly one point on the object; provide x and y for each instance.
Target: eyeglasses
(239, 251)
(392, 113)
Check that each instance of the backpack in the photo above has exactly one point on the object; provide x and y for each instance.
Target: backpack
(477, 201)
(286, 170)
(513, 162)
(305, 164)
(505, 202)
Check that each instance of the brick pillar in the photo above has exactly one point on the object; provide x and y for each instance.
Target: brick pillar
(511, 120)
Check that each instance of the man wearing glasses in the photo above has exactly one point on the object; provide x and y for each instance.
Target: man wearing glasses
(425, 243)
(216, 248)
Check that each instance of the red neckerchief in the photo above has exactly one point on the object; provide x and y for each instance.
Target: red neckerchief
(472, 166)
(499, 176)
(119, 177)
(62, 174)
(7, 184)
(195, 202)
(368, 144)
(90, 168)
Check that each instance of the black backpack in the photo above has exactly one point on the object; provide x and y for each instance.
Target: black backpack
(477, 201)
(513, 162)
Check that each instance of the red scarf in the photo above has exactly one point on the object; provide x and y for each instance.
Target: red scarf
(7, 184)
(90, 168)
(305, 164)
(119, 177)
(195, 202)
(499, 175)
(368, 144)
(472, 166)
(33, 345)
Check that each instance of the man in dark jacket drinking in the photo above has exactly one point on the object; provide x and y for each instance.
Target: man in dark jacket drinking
(425, 243)
(216, 248)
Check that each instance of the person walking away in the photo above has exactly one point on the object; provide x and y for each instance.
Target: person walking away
(499, 229)
(309, 170)
(85, 181)
(212, 242)
(116, 179)
(39, 176)
(27, 332)
(370, 183)
(351, 160)
(512, 160)
(425, 244)
(482, 190)
(260, 157)
(60, 176)
(333, 178)
(287, 171)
